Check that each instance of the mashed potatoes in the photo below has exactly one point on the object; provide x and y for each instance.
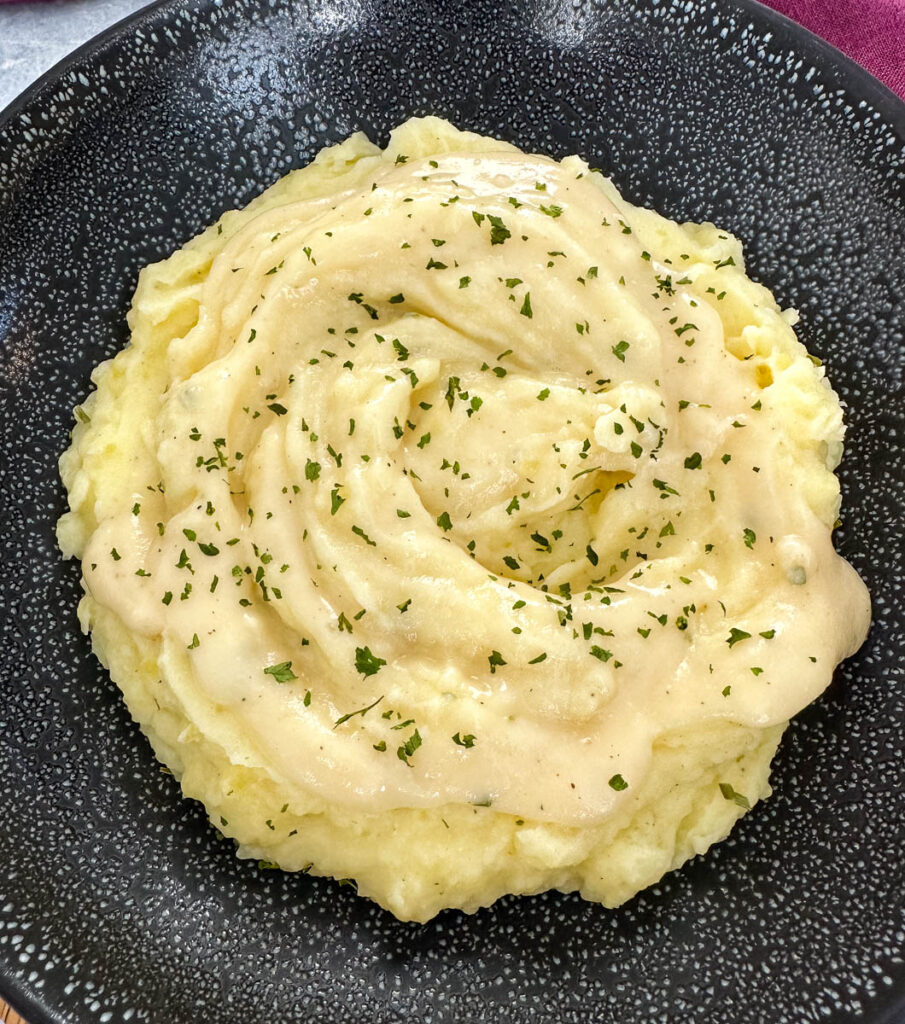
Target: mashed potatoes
(453, 526)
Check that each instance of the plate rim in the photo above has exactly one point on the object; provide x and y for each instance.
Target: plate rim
(833, 64)
(85, 49)
(832, 60)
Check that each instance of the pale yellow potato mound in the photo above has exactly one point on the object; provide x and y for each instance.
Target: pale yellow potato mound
(689, 775)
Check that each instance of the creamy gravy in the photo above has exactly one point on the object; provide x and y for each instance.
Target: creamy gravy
(452, 455)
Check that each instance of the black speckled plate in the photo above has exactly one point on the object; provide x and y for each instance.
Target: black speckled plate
(117, 900)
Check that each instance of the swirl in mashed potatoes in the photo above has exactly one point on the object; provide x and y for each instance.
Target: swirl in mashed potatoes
(454, 526)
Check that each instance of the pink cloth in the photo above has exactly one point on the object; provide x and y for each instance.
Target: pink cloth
(871, 32)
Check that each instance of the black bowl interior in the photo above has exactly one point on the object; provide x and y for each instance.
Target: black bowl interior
(117, 900)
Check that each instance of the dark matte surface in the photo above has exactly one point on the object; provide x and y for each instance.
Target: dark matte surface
(117, 901)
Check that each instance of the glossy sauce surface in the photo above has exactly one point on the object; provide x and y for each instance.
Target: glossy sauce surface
(467, 486)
